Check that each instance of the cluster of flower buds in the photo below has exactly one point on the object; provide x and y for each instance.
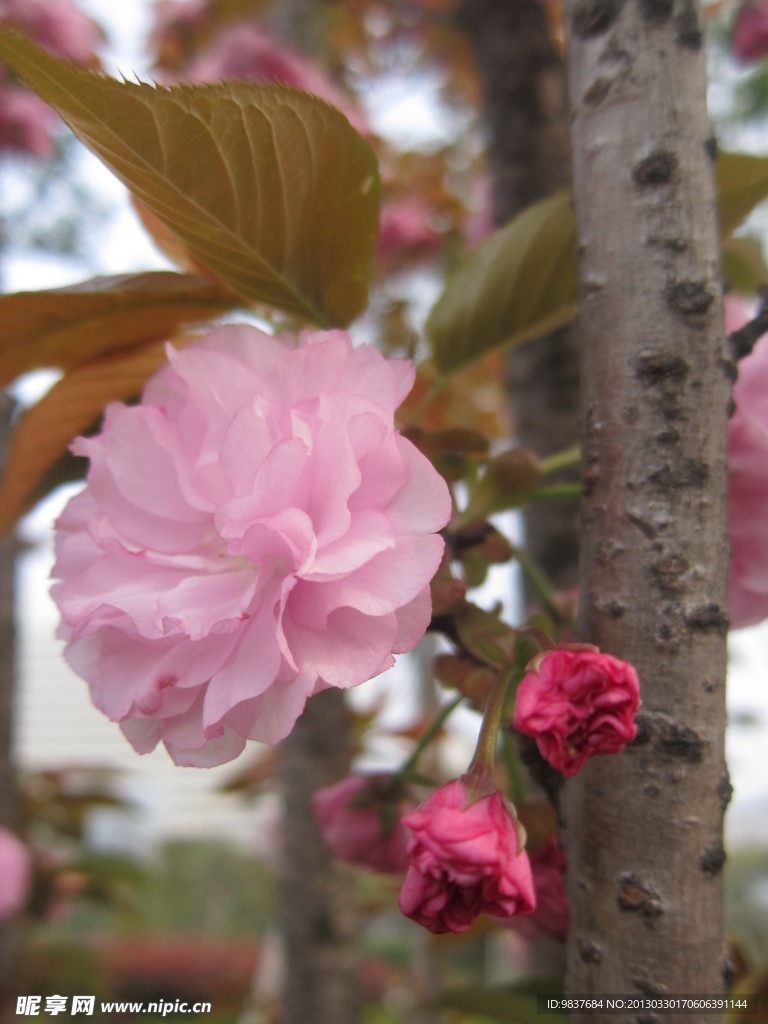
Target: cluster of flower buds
(464, 847)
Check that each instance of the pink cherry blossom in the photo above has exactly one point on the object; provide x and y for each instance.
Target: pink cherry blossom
(575, 704)
(749, 41)
(748, 483)
(15, 874)
(465, 860)
(253, 532)
(552, 915)
(57, 25)
(25, 122)
(405, 229)
(479, 223)
(359, 819)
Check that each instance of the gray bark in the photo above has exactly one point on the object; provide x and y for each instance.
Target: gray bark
(525, 109)
(644, 829)
(318, 917)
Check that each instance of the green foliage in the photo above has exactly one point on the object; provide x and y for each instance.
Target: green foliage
(234, 892)
(744, 268)
(746, 875)
(522, 282)
(514, 1003)
(270, 190)
(509, 480)
(485, 636)
(742, 183)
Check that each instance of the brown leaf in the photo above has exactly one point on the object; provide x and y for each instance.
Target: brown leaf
(66, 327)
(70, 407)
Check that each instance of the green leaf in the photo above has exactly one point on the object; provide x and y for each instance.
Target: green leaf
(69, 326)
(270, 189)
(486, 637)
(742, 183)
(520, 283)
(509, 481)
(744, 268)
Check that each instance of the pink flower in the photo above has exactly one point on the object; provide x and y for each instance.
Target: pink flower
(25, 123)
(748, 491)
(15, 874)
(749, 41)
(479, 223)
(575, 704)
(253, 532)
(57, 25)
(465, 860)
(405, 229)
(359, 819)
(552, 915)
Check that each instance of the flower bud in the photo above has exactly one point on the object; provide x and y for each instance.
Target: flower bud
(577, 703)
(465, 860)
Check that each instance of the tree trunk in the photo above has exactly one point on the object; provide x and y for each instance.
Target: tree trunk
(529, 149)
(644, 829)
(319, 922)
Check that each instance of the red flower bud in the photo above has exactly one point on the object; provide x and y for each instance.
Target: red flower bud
(465, 860)
(575, 704)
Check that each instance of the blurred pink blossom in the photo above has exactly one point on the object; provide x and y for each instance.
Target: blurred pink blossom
(253, 532)
(57, 25)
(25, 122)
(15, 874)
(360, 822)
(576, 704)
(749, 40)
(465, 860)
(405, 229)
(480, 223)
(748, 478)
(552, 915)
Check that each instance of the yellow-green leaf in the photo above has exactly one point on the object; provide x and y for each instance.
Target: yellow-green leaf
(742, 183)
(520, 283)
(744, 268)
(69, 326)
(270, 189)
(68, 409)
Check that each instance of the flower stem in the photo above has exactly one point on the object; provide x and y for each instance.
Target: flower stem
(428, 399)
(556, 491)
(516, 777)
(482, 763)
(434, 728)
(539, 583)
(560, 460)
